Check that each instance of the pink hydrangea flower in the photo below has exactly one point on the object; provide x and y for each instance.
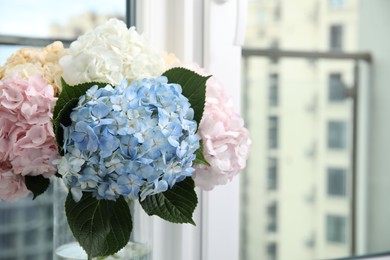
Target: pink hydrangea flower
(6, 127)
(12, 185)
(27, 144)
(226, 141)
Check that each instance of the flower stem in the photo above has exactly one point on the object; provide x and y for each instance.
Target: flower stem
(89, 257)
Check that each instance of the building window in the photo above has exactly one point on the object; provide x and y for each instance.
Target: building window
(30, 237)
(272, 251)
(272, 211)
(274, 90)
(337, 90)
(336, 229)
(7, 216)
(337, 135)
(7, 240)
(336, 4)
(337, 182)
(272, 180)
(31, 213)
(273, 132)
(277, 13)
(336, 37)
(274, 46)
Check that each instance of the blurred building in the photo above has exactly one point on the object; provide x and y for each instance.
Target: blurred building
(26, 229)
(295, 193)
(79, 24)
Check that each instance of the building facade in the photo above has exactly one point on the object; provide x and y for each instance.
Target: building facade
(296, 190)
(26, 229)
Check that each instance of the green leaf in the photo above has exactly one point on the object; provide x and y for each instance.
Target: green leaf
(36, 184)
(102, 227)
(200, 159)
(63, 118)
(67, 100)
(194, 88)
(70, 92)
(175, 205)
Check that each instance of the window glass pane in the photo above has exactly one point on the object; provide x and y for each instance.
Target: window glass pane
(31, 213)
(272, 181)
(336, 37)
(300, 159)
(6, 51)
(337, 90)
(336, 182)
(27, 228)
(272, 217)
(8, 216)
(336, 229)
(287, 190)
(26, 225)
(336, 4)
(272, 251)
(273, 132)
(274, 45)
(7, 240)
(337, 135)
(30, 237)
(274, 89)
(65, 19)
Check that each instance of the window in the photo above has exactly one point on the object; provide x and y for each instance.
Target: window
(336, 229)
(32, 257)
(7, 240)
(49, 234)
(277, 12)
(272, 217)
(31, 237)
(274, 89)
(337, 135)
(337, 90)
(272, 251)
(337, 183)
(336, 37)
(272, 180)
(274, 46)
(273, 132)
(49, 256)
(336, 4)
(7, 216)
(76, 17)
(31, 213)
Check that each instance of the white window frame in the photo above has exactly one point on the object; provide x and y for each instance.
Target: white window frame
(201, 31)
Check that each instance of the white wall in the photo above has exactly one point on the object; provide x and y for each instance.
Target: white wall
(374, 36)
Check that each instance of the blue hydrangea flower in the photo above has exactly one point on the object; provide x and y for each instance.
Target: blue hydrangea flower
(130, 140)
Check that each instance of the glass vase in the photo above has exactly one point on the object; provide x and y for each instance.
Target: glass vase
(66, 247)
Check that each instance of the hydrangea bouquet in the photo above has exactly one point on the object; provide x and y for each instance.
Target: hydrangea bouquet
(29, 83)
(129, 126)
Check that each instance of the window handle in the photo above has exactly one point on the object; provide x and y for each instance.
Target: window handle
(221, 1)
(242, 14)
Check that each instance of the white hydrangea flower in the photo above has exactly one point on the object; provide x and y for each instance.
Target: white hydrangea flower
(111, 53)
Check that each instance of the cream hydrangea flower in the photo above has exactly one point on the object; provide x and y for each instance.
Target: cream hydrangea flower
(29, 62)
(111, 53)
(170, 60)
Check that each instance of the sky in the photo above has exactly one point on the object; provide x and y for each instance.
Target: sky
(33, 17)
